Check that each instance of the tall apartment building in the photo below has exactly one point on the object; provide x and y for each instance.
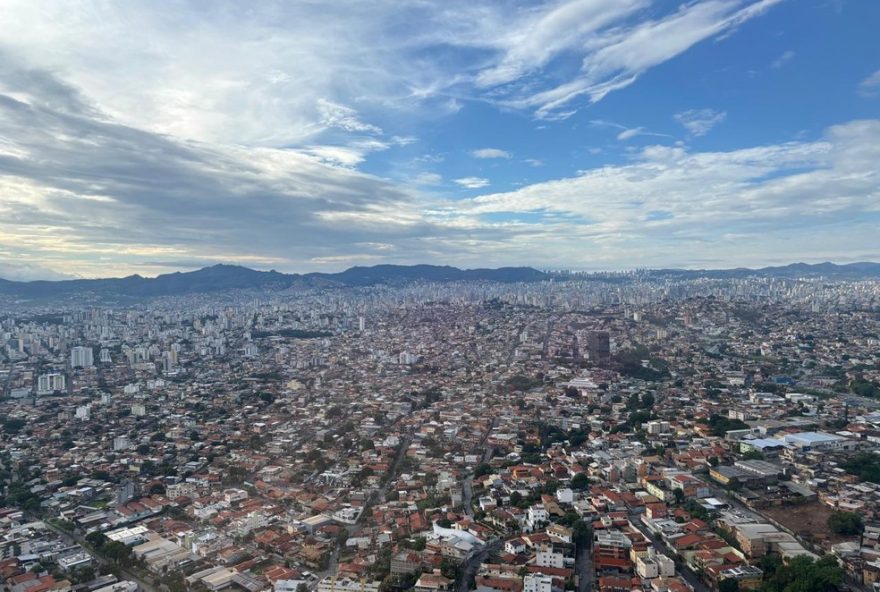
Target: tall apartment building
(81, 357)
(49, 383)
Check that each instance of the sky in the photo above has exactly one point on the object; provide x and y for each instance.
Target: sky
(305, 135)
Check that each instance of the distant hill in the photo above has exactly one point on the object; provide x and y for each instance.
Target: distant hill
(220, 278)
(233, 277)
(828, 270)
(380, 274)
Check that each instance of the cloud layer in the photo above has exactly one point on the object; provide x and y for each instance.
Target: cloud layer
(134, 138)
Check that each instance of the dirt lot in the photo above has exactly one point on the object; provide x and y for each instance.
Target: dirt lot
(809, 521)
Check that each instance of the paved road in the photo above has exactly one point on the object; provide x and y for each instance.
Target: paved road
(660, 547)
(76, 538)
(545, 351)
(515, 344)
(470, 568)
(395, 468)
(584, 568)
(467, 482)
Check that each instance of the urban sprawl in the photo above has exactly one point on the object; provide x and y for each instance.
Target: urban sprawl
(614, 435)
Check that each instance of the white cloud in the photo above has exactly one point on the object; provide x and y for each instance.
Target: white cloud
(490, 153)
(281, 75)
(427, 179)
(616, 56)
(626, 133)
(698, 122)
(870, 86)
(473, 182)
(630, 133)
(534, 162)
(730, 205)
(782, 60)
(342, 117)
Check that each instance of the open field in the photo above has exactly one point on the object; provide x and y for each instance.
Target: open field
(809, 521)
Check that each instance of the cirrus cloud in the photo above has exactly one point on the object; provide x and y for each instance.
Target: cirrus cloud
(700, 122)
(472, 182)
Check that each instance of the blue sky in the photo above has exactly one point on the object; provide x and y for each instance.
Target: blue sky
(585, 134)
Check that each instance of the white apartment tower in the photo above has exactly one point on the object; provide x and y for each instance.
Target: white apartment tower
(81, 357)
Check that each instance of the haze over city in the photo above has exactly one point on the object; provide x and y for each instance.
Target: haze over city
(145, 138)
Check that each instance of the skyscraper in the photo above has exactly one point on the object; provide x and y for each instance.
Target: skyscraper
(81, 357)
(599, 346)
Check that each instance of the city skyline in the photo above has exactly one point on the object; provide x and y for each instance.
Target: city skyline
(589, 135)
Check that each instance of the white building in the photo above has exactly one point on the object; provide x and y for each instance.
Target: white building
(537, 583)
(288, 585)
(121, 443)
(334, 584)
(807, 441)
(655, 566)
(537, 516)
(565, 496)
(49, 383)
(81, 357)
(548, 558)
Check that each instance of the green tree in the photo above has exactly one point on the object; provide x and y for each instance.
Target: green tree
(482, 470)
(803, 574)
(450, 568)
(846, 523)
(728, 585)
(678, 494)
(581, 532)
(580, 482)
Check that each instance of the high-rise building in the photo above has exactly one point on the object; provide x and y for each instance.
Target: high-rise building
(49, 383)
(81, 357)
(599, 346)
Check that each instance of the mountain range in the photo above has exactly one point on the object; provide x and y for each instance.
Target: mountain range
(231, 277)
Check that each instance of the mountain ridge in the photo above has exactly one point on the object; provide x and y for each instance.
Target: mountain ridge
(222, 277)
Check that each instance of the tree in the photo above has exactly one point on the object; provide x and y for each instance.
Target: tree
(118, 552)
(865, 465)
(84, 574)
(12, 425)
(803, 574)
(728, 585)
(580, 482)
(97, 540)
(482, 470)
(678, 494)
(581, 532)
(846, 523)
(450, 568)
